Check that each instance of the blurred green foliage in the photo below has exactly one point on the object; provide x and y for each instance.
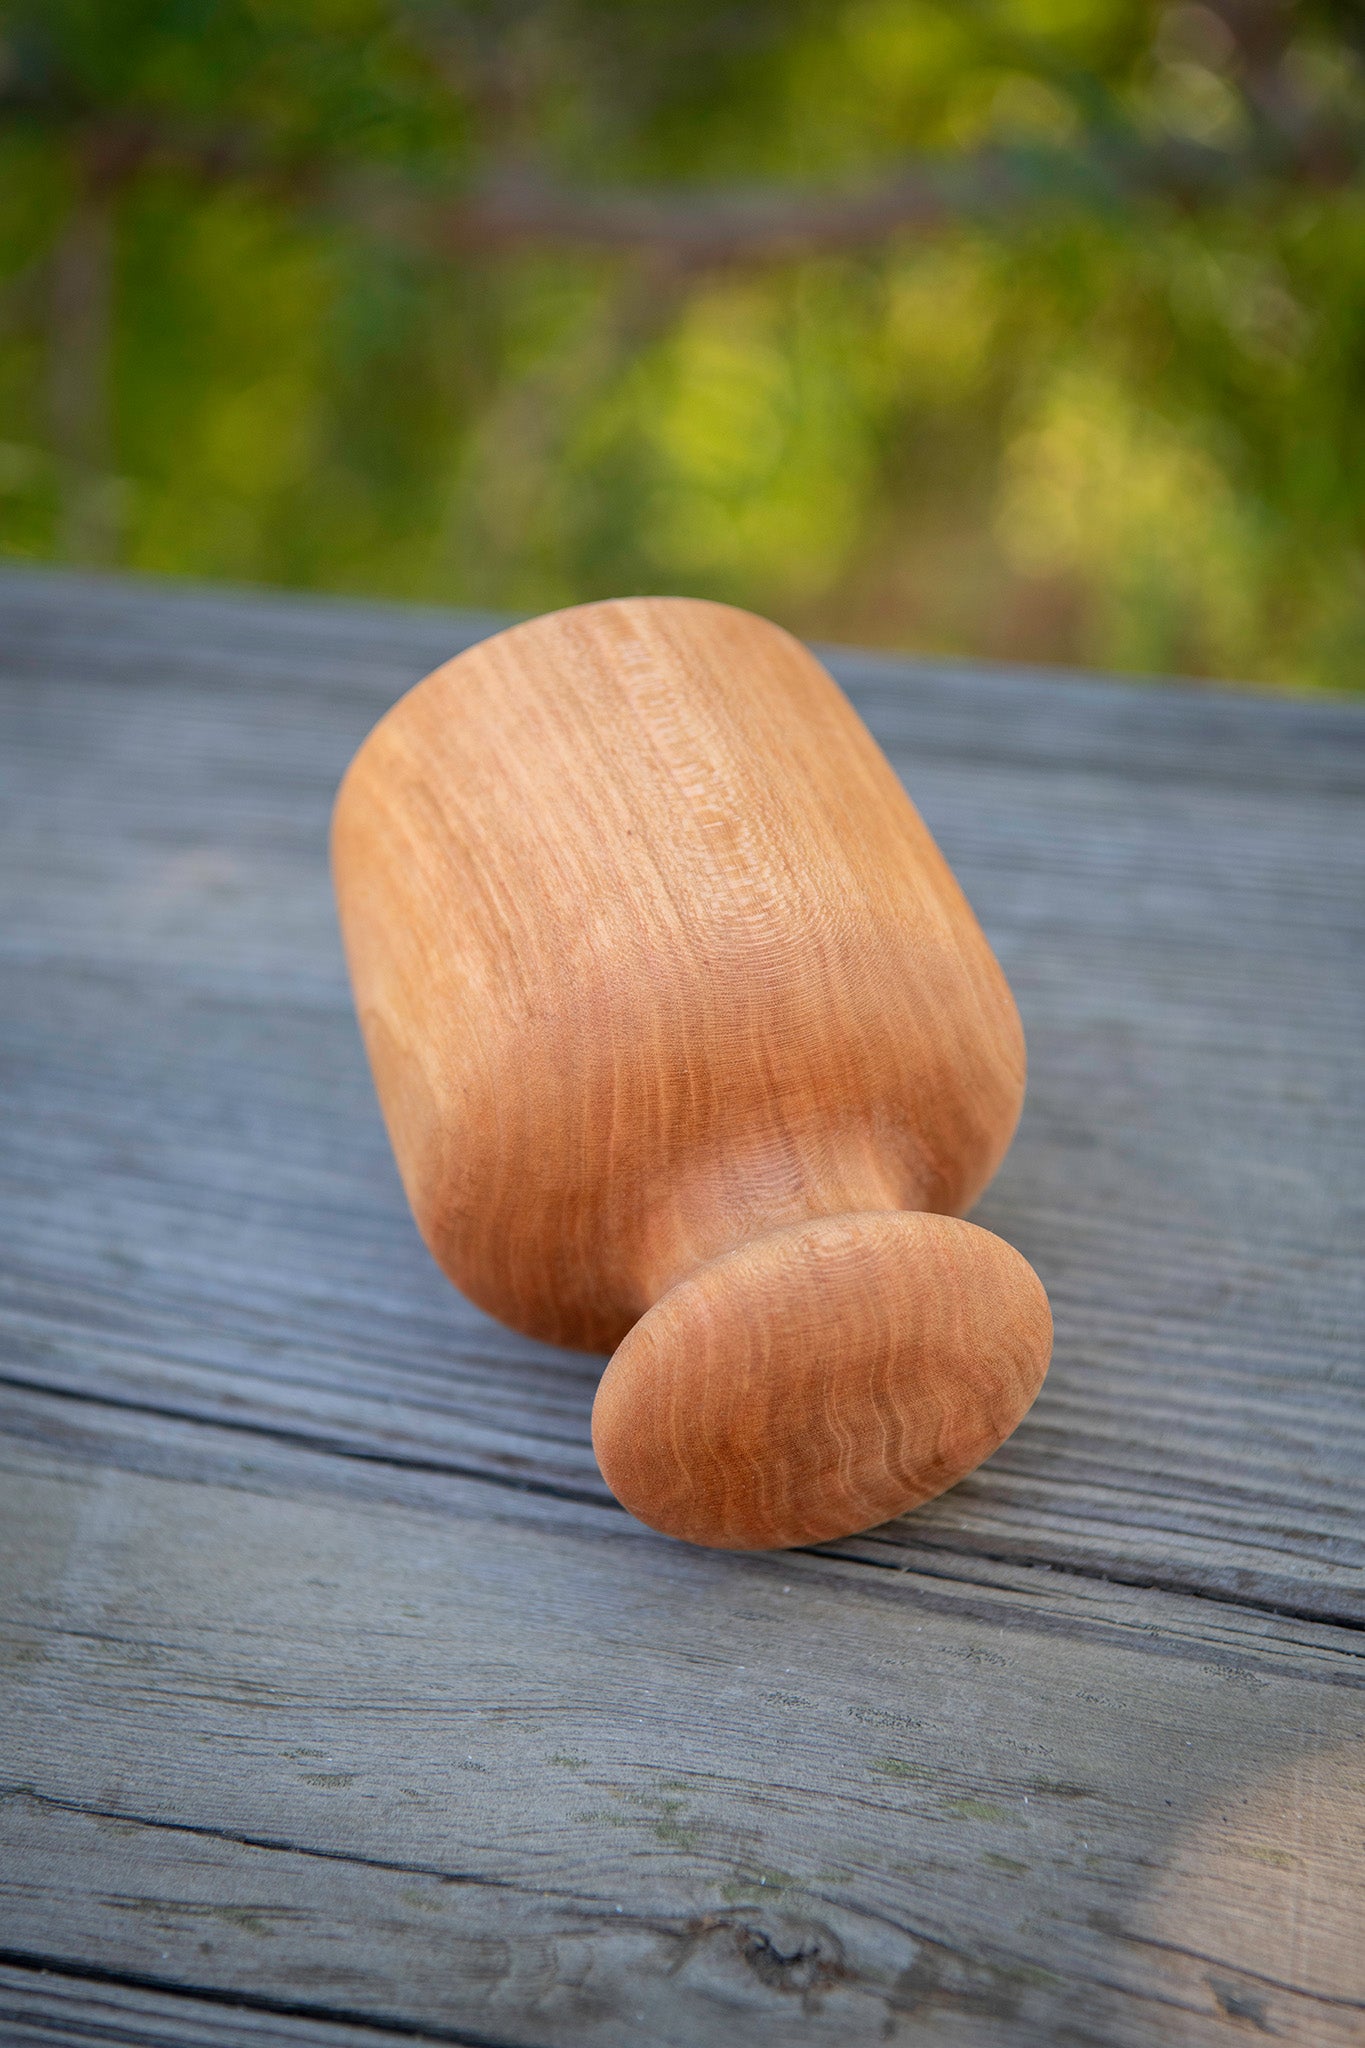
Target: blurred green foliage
(349, 294)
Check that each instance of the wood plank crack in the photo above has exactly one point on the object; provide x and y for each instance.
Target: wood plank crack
(392, 2024)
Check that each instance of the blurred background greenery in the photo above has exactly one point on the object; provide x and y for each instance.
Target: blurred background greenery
(1022, 328)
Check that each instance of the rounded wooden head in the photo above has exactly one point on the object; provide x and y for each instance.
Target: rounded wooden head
(821, 1379)
(656, 964)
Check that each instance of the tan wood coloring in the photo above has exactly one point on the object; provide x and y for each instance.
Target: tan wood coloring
(690, 1047)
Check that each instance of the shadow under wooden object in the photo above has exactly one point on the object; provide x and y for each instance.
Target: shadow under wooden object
(336, 1697)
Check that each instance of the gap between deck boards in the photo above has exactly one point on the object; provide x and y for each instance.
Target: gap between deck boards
(388, 2024)
(909, 1558)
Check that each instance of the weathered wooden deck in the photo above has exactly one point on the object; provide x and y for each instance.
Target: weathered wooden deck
(340, 1703)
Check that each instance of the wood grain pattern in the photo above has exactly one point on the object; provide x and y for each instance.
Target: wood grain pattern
(195, 1226)
(269, 1487)
(655, 962)
(559, 1783)
(836, 1372)
(45, 2006)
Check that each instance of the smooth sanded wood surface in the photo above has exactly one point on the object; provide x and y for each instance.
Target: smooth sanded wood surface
(339, 1702)
(690, 1049)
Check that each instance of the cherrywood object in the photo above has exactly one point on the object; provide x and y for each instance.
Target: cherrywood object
(689, 1044)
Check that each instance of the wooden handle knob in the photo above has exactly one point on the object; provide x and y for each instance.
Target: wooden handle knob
(689, 1044)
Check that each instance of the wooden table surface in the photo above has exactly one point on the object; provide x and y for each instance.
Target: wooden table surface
(341, 1703)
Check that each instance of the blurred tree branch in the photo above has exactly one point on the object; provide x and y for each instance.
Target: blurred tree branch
(698, 227)
(1291, 137)
(522, 205)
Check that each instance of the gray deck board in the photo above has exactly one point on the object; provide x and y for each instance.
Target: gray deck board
(245, 1427)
